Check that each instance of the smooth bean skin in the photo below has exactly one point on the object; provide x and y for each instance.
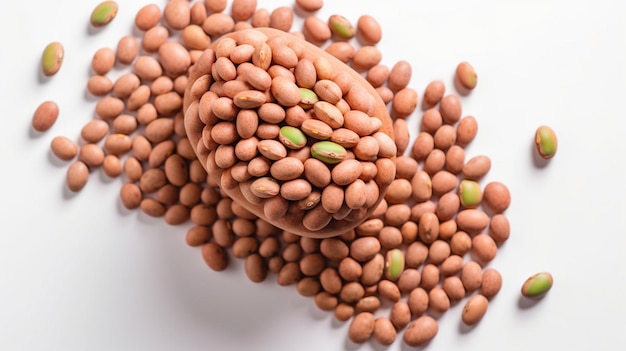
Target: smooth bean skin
(45, 116)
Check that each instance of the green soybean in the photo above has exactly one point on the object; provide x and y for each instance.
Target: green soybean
(328, 152)
(537, 285)
(546, 142)
(104, 13)
(292, 137)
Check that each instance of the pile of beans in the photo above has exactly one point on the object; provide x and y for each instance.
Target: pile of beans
(425, 246)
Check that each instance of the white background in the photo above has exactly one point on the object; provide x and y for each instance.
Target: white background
(77, 272)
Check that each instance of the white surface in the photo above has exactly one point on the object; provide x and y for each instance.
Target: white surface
(80, 273)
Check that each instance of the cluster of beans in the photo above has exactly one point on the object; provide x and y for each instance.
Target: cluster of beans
(288, 131)
(426, 245)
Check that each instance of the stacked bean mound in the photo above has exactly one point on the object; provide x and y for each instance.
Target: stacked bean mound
(425, 246)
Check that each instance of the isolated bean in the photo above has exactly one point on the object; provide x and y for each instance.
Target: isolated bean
(45, 116)
(103, 13)
(421, 331)
(537, 285)
(474, 309)
(466, 75)
(546, 142)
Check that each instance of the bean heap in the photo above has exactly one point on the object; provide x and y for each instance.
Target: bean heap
(286, 130)
(425, 246)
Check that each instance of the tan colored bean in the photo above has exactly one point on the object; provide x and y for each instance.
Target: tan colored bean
(466, 75)
(159, 130)
(400, 315)
(147, 17)
(434, 162)
(45, 116)
(443, 182)
(491, 283)
(399, 191)
(368, 30)
(406, 167)
(422, 146)
(153, 38)
(132, 169)
(471, 276)
(255, 268)
(260, 18)
(215, 256)
(217, 24)
(445, 137)
(474, 309)
(453, 287)
(499, 228)
(361, 328)
(103, 61)
(343, 51)
(466, 130)
(497, 197)
(447, 229)
(409, 232)
(472, 220)
(484, 248)
(455, 159)
(366, 57)
(281, 18)
(167, 195)
(309, 5)
(91, 154)
(147, 68)
(430, 276)
(409, 280)
(373, 270)
(418, 302)
(316, 30)
(450, 108)
(451, 265)
(439, 300)
(389, 290)
(401, 136)
(447, 206)
(130, 196)
(177, 14)
(384, 331)
(112, 166)
(76, 176)
(399, 76)
(476, 167)
(99, 85)
(438, 251)
(416, 254)
(127, 49)
(63, 148)
(174, 58)
(428, 227)
(434, 92)
(421, 331)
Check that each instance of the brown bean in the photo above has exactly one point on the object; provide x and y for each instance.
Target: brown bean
(484, 248)
(400, 315)
(103, 61)
(281, 18)
(177, 14)
(499, 228)
(451, 265)
(444, 137)
(99, 85)
(153, 38)
(147, 68)
(439, 300)
(466, 75)
(368, 30)
(112, 166)
(215, 256)
(378, 75)
(343, 51)
(422, 146)
(409, 280)
(455, 159)
(416, 254)
(366, 57)
(491, 283)
(472, 220)
(361, 328)
(63, 148)
(471, 276)
(474, 309)
(127, 49)
(434, 93)
(147, 17)
(418, 302)
(453, 287)
(443, 182)
(130, 196)
(497, 197)
(384, 331)
(76, 176)
(421, 331)
(476, 167)
(91, 154)
(466, 130)
(430, 276)
(45, 116)
(434, 162)
(450, 108)
(389, 290)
